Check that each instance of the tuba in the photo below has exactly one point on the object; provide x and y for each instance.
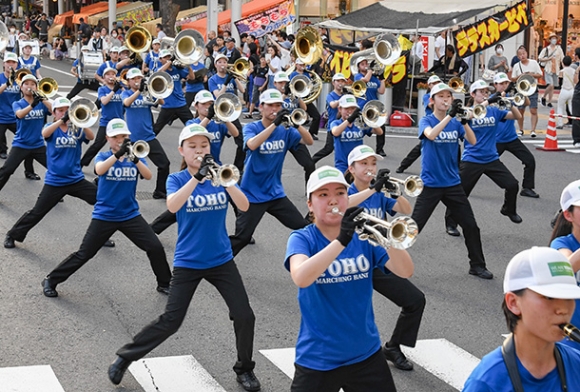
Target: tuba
(160, 85)
(412, 185)
(48, 87)
(308, 45)
(187, 46)
(386, 51)
(139, 149)
(526, 85)
(358, 88)
(457, 85)
(240, 69)
(300, 86)
(138, 39)
(228, 107)
(374, 114)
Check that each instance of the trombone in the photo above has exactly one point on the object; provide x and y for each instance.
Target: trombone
(358, 88)
(412, 186)
(374, 114)
(228, 107)
(386, 51)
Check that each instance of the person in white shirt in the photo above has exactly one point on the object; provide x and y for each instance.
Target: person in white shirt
(440, 43)
(160, 33)
(551, 57)
(416, 56)
(567, 90)
(529, 67)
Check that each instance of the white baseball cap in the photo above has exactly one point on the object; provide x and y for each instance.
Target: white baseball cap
(480, 85)
(60, 103)
(114, 49)
(218, 57)
(116, 127)
(26, 43)
(29, 77)
(360, 60)
(361, 152)
(500, 77)
(322, 176)
(570, 195)
(155, 41)
(440, 87)
(133, 73)
(338, 76)
(433, 79)
(9, 56)
(203, 96)
(271, 96)
(194, 130)
(164, 53)
(347, 101)
(110, 69)
(298, 61)
(543, 270)
(124, 49)
(281, 77)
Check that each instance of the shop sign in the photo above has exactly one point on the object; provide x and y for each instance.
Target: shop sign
(488, 32)
(267, 21)
(340, 37)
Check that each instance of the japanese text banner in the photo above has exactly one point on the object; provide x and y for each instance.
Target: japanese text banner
(268, 20)
(488, 32)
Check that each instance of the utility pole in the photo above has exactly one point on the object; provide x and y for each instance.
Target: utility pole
(564, 43)
(112, 13)
(212, 16)
(236, 15)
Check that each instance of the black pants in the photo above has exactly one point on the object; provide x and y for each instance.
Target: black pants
(159, 158)
(381, 141)
(314, 114)
(302, 156)
(167, 114)
(457, 203)
(47, 199)
(15, 158)
(246, 222)
(98, 232)
(80, 86)
(407, 296)
(163, 221)
(227, 280)
(520, 151)
(28, 168)
(240, 150)
(411, 157)
(471, 173)
(576, 113)
(371, 375)
(189, 97)
(327, 149)
(96, 146)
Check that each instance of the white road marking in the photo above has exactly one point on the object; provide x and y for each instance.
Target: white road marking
(173, 374)
(283, 358)
(29, 379)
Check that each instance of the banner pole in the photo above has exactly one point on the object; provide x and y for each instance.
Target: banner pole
(413, 73)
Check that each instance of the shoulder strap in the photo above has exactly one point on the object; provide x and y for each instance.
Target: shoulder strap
(560, 366)
(508, 352)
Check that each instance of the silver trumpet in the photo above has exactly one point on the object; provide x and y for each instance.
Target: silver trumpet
(224, 175)
(139, 149)
(412, 185)
(401, 233)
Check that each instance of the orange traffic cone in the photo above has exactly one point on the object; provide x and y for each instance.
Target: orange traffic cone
(551, 141)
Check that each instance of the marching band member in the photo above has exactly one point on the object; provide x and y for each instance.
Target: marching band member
(30, 112)
(10, 93)
(202, 252)
(375, 86)
(508, 140)
(267, 142)
(109, 95)
(483, 158)
(440, 133)
(29, 62)
(194, 86)
(112, 63)
(174, 105)
(151, 62)
(338, 344)
(362, 167)
(347, 135)
(116, 209)
(126, 59)
(81, 84)
(64, 175)
(539, 291)
(139, 119)
(310, 107)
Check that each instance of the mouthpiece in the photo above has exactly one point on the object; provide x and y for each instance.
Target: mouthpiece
(370, 174)
(571, 331)
(336, 211)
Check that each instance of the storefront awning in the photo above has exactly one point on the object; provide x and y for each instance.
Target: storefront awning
(138, 11)
(225, 17)
(183, 17)
(86, 11)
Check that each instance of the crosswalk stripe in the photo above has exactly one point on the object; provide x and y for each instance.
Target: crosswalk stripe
(173, 374)
(283, 358)
(29, 379)
(442, 358)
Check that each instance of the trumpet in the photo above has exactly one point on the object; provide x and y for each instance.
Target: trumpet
(139, 149)
(300, 86)
(526, 85)
(506, 102)
(374, 114)
(228, 107)
(401, 233)
(358, 88)
(297, 117)
(477, 112)
(571, 331)
(48, 87)
(412, 186)
(225, 175)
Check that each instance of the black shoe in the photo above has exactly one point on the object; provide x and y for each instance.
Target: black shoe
(249, 381)
(396, 356)
(400, 169)
(513, 217)
(527, 192)
(452, 231)
(382, 153)
(3, 155)
(544, 101)
(159, 195)
(109, 244)
(47, 289)
(163, 289)
(481, 272)
(9, 242)
(117, 370)
(252, 241)
(549, 104)
(314, 137)
(32, 176)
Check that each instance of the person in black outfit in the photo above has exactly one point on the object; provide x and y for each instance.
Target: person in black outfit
(576, 101)
(450, 64)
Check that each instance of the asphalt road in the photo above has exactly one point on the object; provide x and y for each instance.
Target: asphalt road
(113, 296)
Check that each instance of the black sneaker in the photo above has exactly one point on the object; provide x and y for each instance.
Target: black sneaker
(452, 231)
(32, 176)
(400, 169)
(396, 356)
(117, 370)
(159, 195)
(527, 192)
(549, 104)
(249, 381)
(3, 155)
(9, 242)
(163, 289)
(481, 272)
(543, 101)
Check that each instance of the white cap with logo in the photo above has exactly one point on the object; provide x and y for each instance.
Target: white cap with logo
(109, 69)
(194, 130)
(322, 176)
(155, 41)
(347, 101)
(114, 49)
(433, 79)
(480, 85)
(219, 56)
(9, 56)
(164, 53)
(124, 49)
(543, 270)
(439, 88)
(203, 96)
(281, 77)
(271, 96)
(500, 77)
(116, 127)
(338, 76)
(29, 77)
(570, 195)
(361, 152)
(60, 103)
(133, 73)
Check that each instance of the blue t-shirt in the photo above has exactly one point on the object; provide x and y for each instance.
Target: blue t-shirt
(176, 99)
(152, 61)
(485, 129)
(351, 137)
(63, 158)
(29, 129)
(32, 64)
(426, 99)
(491, 374)
(76, 64)
(105, 65)
(114, 109)
(116, 201)
(337, 327)
(377, 205)
(372, 89)
(197, 86)
(139, 119)
(262, 179)
(220, 131)
(202, 237)
(570, 242)
(332, 113)
(296, 73)
(216, 82)
(439, 165)
(7, 98)
(290, 104)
